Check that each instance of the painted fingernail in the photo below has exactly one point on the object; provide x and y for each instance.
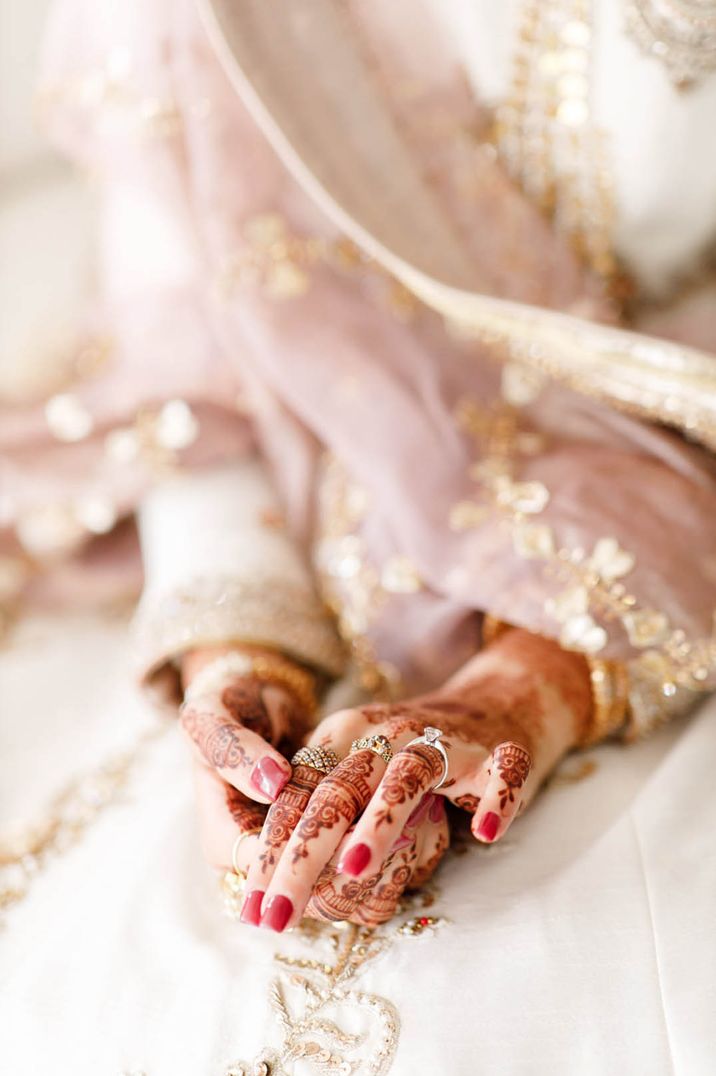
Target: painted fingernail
(268, 777)
(437, 809)
(355, 860)
(278, 912)
(418, 813)
(489, 826)
(251, 908)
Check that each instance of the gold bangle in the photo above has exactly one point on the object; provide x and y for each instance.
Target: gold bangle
(280, 672)
(492, 628)
(610, 698)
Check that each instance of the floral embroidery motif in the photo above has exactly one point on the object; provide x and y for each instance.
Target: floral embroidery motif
(310, 995)
(352, 586)
(593, 594)
(280, 261)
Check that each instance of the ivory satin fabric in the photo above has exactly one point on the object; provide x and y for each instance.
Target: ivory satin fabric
(583, 944)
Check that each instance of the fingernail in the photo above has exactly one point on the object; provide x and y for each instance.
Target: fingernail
(278, 912)
(418, 813)
(268, 777)
(437, 809)
(355, 860)
(402, 842)
(251, 908)
(489, 826)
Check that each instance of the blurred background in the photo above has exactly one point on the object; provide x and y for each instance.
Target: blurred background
(46, 217)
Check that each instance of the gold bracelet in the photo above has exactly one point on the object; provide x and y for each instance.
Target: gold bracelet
(492, 628)
(273, 669)
(610, 699)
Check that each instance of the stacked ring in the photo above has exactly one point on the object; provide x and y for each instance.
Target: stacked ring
(379, 744)
(318, 758)
(237, 845)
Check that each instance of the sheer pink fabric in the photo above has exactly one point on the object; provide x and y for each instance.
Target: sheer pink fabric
(335, 368)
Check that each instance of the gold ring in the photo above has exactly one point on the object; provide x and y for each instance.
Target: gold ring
(318, 758)
(379, 744)
(235, 850)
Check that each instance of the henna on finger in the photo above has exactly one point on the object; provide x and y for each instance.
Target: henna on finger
(508, 769)
(247, 814)
(245, 700)
(218, 740)
(342, 795)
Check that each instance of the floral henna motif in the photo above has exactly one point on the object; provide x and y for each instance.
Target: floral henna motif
(285, 814)
(337, 901)
(218, 740)
(381, 902)
(426, 870)
(414, 770)
(513, 765)
(467, 802)
(244, 699)
(247, 814)
(343, 794)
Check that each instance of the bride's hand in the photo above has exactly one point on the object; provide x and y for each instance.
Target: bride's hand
(235, 722)
(507, 718)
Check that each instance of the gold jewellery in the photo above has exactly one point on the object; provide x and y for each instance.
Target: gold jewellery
(267, 668)
(318, 758)
(379, 744)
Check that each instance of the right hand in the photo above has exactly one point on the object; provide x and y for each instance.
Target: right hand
(236, 727)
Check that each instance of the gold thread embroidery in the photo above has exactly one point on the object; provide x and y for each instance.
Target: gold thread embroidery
(672, 667)
(352, 586)
(679, 33)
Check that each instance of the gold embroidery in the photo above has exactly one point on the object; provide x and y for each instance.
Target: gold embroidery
(279, 262)
(679, 33)
(311, 994)
(544, 134)
(24, 855)
(353, 588)
(663, 679)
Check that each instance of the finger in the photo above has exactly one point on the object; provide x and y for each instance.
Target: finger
(282, 818)
(337, 898)
(240, 756)
(505, 778)
(433, 841)
(382, 900)
(400, 797)
(223, 814)
(333, 807)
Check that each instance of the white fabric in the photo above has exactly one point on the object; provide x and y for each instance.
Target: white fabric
(664, 167)
(212, 524)
(584, 944)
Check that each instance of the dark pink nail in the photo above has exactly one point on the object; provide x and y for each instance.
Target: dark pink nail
(355, 860)
(278, 912)
(251, 908)
(437, 809)
(268, 777)
(489, 826)
(418, 813)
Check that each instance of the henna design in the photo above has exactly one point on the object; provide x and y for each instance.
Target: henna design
(218, 740)
(244, 699)
(381, 902)
(426, 870)
(513, 765)
(468, 802)
(247, 814)
(285, 813)
(336, 902)
(412, 771)
(343, 794)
